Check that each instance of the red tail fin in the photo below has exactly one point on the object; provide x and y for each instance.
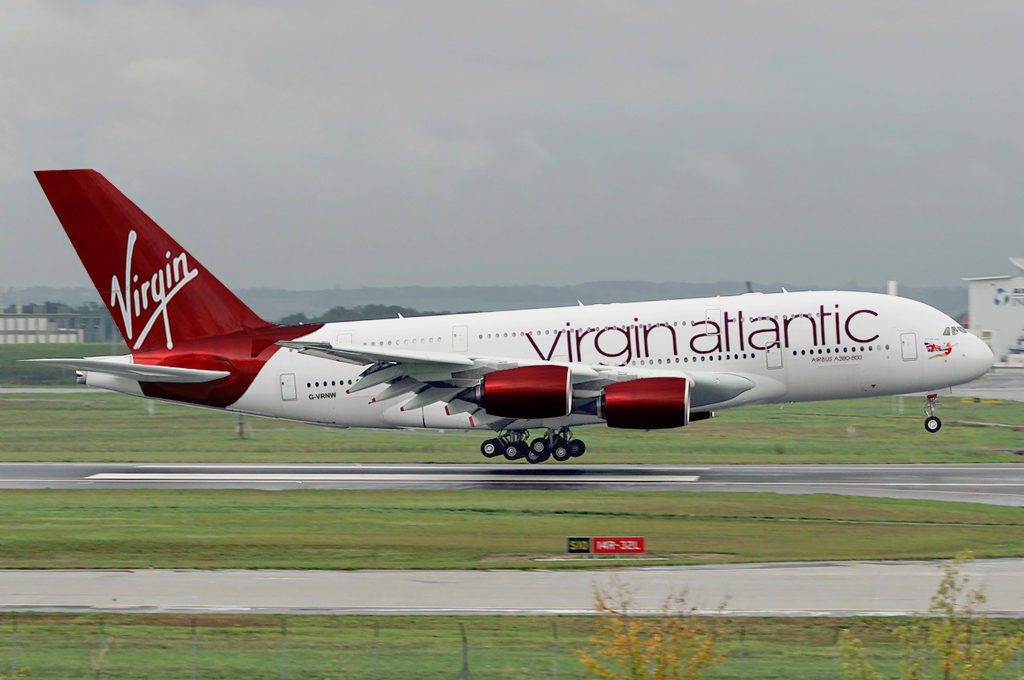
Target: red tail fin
(157, 293)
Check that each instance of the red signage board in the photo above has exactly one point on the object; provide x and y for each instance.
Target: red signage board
(617, 544)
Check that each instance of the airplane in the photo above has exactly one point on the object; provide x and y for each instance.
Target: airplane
(640, 366)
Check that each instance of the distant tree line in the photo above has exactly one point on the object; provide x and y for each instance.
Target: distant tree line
(359, 313)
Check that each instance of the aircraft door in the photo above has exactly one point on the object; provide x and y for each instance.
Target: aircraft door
(773, 357)
(288, 392)
(342, 339)
(460, 338)
(908, 346)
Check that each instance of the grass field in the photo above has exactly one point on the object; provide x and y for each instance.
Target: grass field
(127, 646)
(100, 426)
(476, 529)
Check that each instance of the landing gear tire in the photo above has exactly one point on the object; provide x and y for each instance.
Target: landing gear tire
(533, 457)
(931, 423)
(539, 446)
(577, 448)
(560, 452)
(491, 448)
(514, 450)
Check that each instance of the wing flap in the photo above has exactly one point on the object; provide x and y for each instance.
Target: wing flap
(360, 354)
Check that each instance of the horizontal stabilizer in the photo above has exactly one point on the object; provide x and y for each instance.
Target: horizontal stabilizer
(139, 372)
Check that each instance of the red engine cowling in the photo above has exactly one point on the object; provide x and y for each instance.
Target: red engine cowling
(527, 392)
(646, 403)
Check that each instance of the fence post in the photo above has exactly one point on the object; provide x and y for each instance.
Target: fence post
(743, 637)
(284, 648)
(194, 651)
(376, 648)
(101, 654)
(465, 674)
(555, 649)
(13, 642)
(835, 654)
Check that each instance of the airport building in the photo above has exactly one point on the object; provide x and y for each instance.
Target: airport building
(52, 322)
(996, 312)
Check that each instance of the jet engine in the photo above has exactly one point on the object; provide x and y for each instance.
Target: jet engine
(646, 403)
(526, 392)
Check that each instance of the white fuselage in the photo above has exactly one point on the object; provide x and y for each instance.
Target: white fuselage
(798, 346)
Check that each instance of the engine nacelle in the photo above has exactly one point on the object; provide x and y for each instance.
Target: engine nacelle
(526, 392)
(646, 403)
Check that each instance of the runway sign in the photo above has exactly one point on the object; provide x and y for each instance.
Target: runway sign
(618, 544)
(577, 544)
(606, 545)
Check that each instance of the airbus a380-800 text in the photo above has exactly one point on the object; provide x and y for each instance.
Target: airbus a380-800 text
(644, 365)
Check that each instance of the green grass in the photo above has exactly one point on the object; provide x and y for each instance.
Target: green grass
(68, 646)
(100, 426)
(476, 529)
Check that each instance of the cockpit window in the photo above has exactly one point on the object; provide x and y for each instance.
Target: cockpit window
(946, 331)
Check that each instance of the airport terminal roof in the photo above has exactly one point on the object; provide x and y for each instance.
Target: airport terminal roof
(1017, 262)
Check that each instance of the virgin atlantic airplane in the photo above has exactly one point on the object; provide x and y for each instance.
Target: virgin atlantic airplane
(643, 366)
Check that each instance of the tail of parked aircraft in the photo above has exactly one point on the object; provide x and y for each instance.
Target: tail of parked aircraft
(157, 292)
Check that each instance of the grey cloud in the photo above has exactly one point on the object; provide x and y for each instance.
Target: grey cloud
(457, 143)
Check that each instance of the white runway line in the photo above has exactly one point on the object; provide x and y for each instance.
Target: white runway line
(398, 467)
(380, 478)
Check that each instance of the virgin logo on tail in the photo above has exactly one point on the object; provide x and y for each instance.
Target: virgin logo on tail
(154, 292)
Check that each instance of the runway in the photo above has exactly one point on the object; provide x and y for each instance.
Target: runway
(1000, 484)
(776, 589)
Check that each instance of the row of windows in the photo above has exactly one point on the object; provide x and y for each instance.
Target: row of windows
(752, 355)
(333, 383)
(829, 350)
(717, 319)
(407, 341)
(686, 360)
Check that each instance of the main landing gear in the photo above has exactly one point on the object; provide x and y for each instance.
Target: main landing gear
(931, 423)
(558, 444)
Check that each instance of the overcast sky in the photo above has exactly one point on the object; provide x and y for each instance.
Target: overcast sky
(380, 143)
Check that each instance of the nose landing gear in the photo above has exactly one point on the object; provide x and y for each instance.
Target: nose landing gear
(931, 424)
(557, 444)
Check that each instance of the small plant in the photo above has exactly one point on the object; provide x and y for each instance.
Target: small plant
(672, 645)
(955, 642)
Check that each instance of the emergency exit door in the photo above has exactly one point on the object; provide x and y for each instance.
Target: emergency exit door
(288, 392)
(460, 338)
(908, 346)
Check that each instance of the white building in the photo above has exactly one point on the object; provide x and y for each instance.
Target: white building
(996, 312)
(31, 328)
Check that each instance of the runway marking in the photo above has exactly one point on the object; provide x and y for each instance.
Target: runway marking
(376, 477)
(448, 467)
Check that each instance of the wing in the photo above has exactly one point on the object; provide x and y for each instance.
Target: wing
(140, 372)
(422, 378)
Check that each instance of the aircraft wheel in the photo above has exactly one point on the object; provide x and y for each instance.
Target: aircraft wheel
(560, 452)
(539, 446)
(577, 448)
(491, 448)
(533, 457)
(932, 424)
(513, 450)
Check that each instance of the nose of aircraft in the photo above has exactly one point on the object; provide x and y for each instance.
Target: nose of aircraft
(979, 356)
